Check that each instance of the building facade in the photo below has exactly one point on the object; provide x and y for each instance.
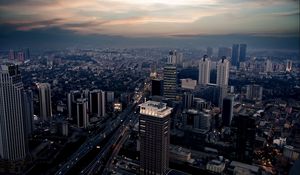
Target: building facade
(12, 136)
(154, 129)
(204, 71)
(45, 101)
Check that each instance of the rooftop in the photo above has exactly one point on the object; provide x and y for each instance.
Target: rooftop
(155, 109)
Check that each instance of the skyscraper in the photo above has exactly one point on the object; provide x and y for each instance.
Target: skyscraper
(204, 71)
(27, 54)
(154, 132)
(243, 51)
(45, 101)
(175, 58)
(170, 82)
(12, 55)
(288, 65)
(72, 105)
(12, 136)
(235, 55)
(268, 66)
(227, 110)
(82, 113)
(223, 72)
(187, 100)
(157, 87)
(28, 112)
(245, 138)
(97, 102)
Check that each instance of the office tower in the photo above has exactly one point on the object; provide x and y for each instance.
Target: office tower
(97, 103)
(202, 121)
(254, 92)
(82, 113)
(103, 103)
(268, 66)
(172, 58)
(223, 72)
(157, 87)
(28, 112)
(170, 82)
(245, 138)
(224, 52)
(209, 51)
(26, 54)
(72, 105)
(12, 136)
(211, 93)
(227, 110)
(235, 55)
(45, 101)
(204, 71)
(110, 96)
(175, 58)
(21, 56)
(12, 55)
(179, 58)
(154, 129)
(187, 100)
(243, 51)
(288, 65)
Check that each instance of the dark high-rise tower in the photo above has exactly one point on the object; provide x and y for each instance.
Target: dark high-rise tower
(45, 101)
(154, 132)
(12, 136)
(170, 82)
(82, 113)
(235, 55)
(72, 105)
(245, 138)
(157, 87)
(227, 110)
(28, 112)
(97, 102)
(243, 51)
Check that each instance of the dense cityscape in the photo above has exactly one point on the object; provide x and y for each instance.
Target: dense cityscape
(86, 111)
(149, 87)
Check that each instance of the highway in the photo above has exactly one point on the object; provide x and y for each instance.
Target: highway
(94, 141)
(120, 130)
(111, 148)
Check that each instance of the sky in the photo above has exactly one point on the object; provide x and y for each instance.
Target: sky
(150, 18)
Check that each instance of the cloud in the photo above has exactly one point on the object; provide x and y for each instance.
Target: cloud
(147, 17)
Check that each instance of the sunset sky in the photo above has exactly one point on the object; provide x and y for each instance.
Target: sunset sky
(154, 17)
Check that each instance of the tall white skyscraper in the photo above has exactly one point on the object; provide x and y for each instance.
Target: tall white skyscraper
(12, 136)
(45, 101)
(268, 66)
(223, 72)
(204, 71)
(288, 66)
